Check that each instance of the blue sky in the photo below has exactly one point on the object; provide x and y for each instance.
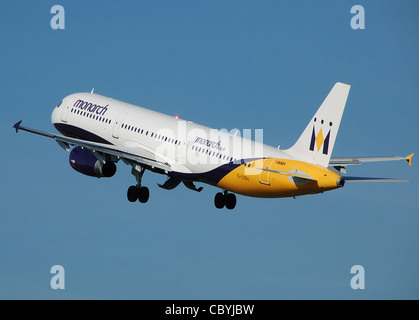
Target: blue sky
(225, 64)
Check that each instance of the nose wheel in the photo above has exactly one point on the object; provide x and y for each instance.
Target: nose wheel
(225, 199)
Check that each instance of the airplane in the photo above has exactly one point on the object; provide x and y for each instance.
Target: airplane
(99, 131)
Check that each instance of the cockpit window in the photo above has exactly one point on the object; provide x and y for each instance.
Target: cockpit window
(59, 104)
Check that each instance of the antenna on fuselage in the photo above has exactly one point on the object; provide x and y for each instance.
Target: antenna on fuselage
(92, 92)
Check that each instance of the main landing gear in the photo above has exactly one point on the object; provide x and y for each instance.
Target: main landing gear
(138, 192)
(135, 193)
(225, 199)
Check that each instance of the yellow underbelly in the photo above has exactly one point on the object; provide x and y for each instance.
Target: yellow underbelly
(250, 180)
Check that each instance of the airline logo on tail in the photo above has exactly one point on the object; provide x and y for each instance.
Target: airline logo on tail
(318, 141)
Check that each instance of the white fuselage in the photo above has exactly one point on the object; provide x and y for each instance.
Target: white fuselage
(186, 146)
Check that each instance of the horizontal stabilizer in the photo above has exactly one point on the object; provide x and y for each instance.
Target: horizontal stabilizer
(363, 179)
(347, 161)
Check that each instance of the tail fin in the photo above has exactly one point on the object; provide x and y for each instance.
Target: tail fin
(316, 143)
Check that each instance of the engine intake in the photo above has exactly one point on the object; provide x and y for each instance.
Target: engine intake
(83, 161)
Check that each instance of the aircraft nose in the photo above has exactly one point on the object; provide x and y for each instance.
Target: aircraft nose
(54, 116)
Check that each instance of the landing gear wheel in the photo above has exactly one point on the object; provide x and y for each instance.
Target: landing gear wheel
(219, 200)
(143, 194)
(230, 201)
(132, 194)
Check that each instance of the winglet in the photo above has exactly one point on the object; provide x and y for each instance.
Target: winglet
(409, 159)
(16, 125)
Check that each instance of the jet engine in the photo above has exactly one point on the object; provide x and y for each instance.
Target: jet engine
(82, 160)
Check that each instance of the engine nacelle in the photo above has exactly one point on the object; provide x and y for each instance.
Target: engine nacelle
(83, 161)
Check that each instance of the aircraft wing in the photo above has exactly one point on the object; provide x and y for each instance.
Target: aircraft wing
(141, 156)
(341, 162)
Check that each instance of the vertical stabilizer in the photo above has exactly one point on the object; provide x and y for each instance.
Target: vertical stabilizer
(316, 143)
